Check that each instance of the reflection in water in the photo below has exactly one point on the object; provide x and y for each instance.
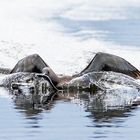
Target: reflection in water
(102, 105)
(105, 119)
(100, 109)
(33, 103)
(63, 117)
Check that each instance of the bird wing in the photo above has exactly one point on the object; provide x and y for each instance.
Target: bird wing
(109, 62)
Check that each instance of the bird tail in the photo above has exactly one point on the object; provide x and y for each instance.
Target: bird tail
(135, 74)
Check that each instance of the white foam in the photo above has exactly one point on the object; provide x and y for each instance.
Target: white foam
(27, 27)
(4, 93)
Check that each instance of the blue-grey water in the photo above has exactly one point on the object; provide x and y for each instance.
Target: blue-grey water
(67, 34)
(78, 118)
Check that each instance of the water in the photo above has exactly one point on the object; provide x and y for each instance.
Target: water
(67, 34)
(78, 118)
